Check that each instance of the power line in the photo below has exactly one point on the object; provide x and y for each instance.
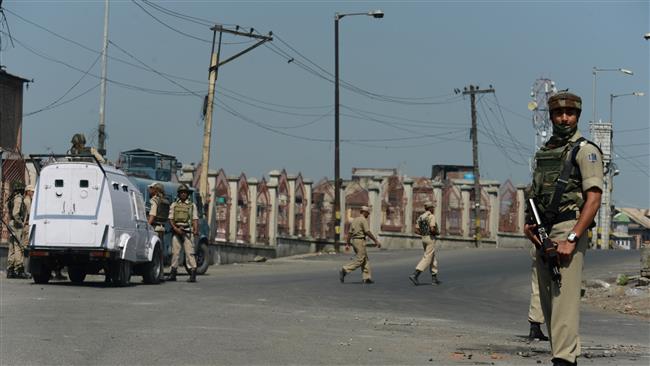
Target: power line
(52, 105)
(64, 102)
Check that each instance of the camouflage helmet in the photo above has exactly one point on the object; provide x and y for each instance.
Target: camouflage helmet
(18, 186)
(564, 99)
(183, 188)
(78, 139)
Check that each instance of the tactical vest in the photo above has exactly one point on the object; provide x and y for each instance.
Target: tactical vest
(21, 212)
(80, 151)
(183, 213)
(162, 209)
(423, 225)
(549, 164)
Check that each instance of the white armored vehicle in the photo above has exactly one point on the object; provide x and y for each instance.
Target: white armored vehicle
(90, 218)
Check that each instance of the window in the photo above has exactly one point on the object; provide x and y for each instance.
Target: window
(58, 183)
(116, 186)
(125, 188)
(83, 183)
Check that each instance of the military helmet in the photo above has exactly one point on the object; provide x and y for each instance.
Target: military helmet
(18, 186)
(78, 139)
(183, 188)
(564, 99)
(428, 204)
(159, 186)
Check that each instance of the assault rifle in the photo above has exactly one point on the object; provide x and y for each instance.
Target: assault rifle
(549, 252)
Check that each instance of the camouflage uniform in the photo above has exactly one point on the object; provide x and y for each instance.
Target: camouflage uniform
(561, 307)
(79, 148)
(158, 217)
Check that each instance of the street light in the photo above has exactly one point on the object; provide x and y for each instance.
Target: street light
(596, 70)
(611, 101)
(377, 14)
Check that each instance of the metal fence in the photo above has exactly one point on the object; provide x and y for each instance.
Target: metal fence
(262, 214)
(13, 169)
(393, 204)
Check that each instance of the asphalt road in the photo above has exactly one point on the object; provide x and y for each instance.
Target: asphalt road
(295, 311)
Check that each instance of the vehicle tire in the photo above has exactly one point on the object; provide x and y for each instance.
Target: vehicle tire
(153, 271)
(202, 256)
(77, 274)
(40, 271)
(121, 272)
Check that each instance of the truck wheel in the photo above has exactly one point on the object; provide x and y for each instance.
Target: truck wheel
(202, 256)
(121, 272)
(39, 270)
(153, 271)
(77, 274)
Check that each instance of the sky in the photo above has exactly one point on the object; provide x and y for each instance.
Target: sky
(274, 105)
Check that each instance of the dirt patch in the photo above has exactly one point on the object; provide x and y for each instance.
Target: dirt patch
(625, 294)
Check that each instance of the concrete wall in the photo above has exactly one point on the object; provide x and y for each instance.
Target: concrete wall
(508, 240)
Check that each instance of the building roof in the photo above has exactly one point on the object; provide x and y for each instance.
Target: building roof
(3, 73)
(640, 216)
(621, 218)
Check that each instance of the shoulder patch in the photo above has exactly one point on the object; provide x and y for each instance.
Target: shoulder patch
(592, 158)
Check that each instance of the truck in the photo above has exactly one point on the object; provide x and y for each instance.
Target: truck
(89, 217)
(144, 167)
(201, 247)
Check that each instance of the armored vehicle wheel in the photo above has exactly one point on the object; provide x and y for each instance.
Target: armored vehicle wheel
(121, 272)
(153, 271)
(202, 256)
(40, 272)
(77, 274)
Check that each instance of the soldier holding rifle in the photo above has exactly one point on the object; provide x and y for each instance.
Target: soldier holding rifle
(567, 187)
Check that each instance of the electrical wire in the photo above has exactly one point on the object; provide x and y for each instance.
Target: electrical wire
(52, 105)
(64, 102)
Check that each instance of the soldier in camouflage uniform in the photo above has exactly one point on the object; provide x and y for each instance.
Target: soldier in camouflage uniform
(359, 229)
(427, 228)
(569, 207)
(184, 220)
(18, 212)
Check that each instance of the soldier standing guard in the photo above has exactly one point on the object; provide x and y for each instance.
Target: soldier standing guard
(18, 212)
(426, 226)
(359, 229)
(185, 223)
(567, 187)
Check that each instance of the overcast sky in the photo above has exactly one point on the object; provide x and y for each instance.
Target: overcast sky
(399, 110)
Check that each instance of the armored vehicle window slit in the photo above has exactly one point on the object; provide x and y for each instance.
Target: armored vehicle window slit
(116, 186)
(58, 183)
(83, 183)
(125, 188)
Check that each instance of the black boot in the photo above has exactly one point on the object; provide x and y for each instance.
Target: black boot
(434, 279)
(20, 273)
(172, 275)
(342, 274)
(562, 362)
(192, 276)
(11, 273)
(414, 277)
(536, 332)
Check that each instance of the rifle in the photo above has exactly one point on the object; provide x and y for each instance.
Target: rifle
(549, 252)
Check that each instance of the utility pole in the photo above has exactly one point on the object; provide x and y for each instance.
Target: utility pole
(214, 71)
(472, 91)
(540, 92)
(102, 98)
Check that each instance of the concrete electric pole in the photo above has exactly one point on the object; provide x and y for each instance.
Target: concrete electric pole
(540, 92)
(214, 68)
(472, 91)
(101, 146)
